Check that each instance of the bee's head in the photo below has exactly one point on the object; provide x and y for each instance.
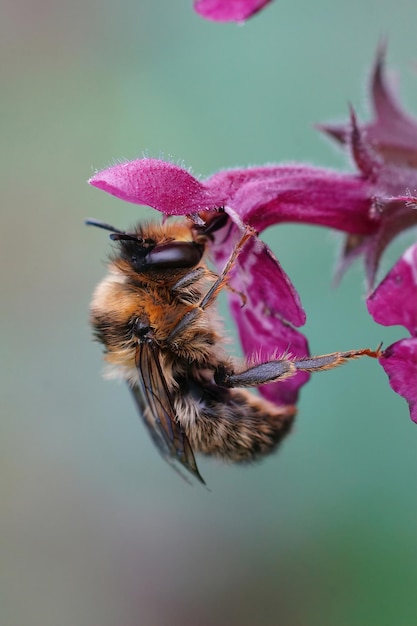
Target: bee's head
(147, 253)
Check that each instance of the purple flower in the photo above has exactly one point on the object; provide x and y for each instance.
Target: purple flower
(257, 197)
(229, 10)
(385, 153)
(371, 206)
(394, 302)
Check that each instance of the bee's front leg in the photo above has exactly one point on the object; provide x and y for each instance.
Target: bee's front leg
(212, 293)
(280, 369)
(189, 279)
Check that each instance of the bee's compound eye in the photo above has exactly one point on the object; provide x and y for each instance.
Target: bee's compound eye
(173, 255)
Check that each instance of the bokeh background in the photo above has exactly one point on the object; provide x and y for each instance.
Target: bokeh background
(95, 529)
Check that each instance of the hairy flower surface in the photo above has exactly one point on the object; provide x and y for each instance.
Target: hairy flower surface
(394, 302)
(229, 10)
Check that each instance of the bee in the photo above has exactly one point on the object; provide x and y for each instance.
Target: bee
(155, 314)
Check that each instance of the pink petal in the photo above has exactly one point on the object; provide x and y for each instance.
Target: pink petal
(400, 364)
(296, 193)
(392, 210)
(270, 293)
(368, 161)
(264, 338)
(394, 301)
(388, 177)
(393, 222)
(229, 10)
(267, 315)
(159, 184)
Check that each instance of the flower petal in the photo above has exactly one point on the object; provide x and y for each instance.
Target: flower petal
(266, 308)
(394, 301)
(393, 207)
(387, 177)
(400, 364)
(297, 193)
(269, 291)
(159, 184)
(264, 338)
(402, 216)
(229, 10)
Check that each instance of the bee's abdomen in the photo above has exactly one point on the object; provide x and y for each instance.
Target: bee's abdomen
(240, 427)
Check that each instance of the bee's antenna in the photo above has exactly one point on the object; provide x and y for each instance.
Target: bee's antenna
(119, 236)
(93, 222)
(116, 234)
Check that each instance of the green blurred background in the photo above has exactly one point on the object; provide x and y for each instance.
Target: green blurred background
(95, 529)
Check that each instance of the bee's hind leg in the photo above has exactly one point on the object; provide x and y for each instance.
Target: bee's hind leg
(280, 369)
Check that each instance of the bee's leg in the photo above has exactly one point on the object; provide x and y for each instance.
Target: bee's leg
(192, 277)
(195, 275)
(242, 296)
(280, 369)
(214, 290)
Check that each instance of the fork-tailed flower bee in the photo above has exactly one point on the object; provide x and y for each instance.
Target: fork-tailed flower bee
(155, 314)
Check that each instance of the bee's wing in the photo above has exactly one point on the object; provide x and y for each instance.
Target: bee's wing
(156, 406)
